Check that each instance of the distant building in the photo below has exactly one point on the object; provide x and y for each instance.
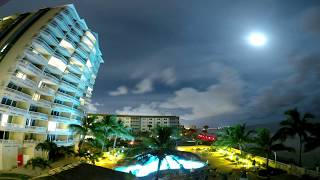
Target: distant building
(49, 60)
(142, 123)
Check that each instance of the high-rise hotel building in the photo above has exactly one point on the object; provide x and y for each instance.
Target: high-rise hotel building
(49, 60)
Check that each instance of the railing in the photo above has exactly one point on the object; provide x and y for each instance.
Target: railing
(46, 90)
(44, 44)
(79, 58)
(13, 110)
(36, 128)
(31, 141)
(7, 141)
(40, 59)
(27, 96)
(68, 96)
(11, 126)
(60, 118)
(51, 78)
(44, 102)
(30, 66)
(61, 131)
(48, 35)
(39, 115)
(26, 82)
(61, 105)
(68, 73)
(63, 143)
(69, 84)
(56, 29)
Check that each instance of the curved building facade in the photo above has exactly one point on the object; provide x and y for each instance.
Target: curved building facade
(49, 60)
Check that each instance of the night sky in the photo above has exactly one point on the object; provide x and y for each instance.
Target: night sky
(193, 59)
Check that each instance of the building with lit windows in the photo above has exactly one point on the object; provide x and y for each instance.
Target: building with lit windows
(143, 123)
(49, 60)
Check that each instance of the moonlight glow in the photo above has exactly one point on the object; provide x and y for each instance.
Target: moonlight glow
(257, 39)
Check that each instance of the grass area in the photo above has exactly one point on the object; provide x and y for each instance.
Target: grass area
(14, 176)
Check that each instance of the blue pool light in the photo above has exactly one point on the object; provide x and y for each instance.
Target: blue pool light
(169, 162)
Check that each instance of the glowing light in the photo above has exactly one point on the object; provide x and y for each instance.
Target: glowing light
(169, 162)
(67, 45)
(257, 39)
(4, 119)
(52, 126)
(57, 63)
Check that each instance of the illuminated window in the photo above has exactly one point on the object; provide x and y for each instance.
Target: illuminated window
(52, 126)
(87, 42)
(53, 61)
(67, 45)
(36, 97)
(90, 35)
(21, 75)
(89, 63)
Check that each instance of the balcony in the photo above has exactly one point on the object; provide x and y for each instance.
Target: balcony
(43, 103)
(50, 79)
(61, 107)
(67, 18)
(64, 143)
(74, 36)
(85, 48)
(38, 115)
(60, 21)
(84, 54)
(30, 143)
(48, 37)
(8, 141)
(35, 57)
(71, 77)
(46, 91)
(29, 68)
(60, 119)
(74, 68)
(15, 94)
(55, 29)
(78, 112)
(12, 110)
(11, 127)
(70, 86)
(63, 51)
(67, 97)
(42, 46)
(75, 121)
(79, 59)
(36, 129)
(23, 82)
(61, 132)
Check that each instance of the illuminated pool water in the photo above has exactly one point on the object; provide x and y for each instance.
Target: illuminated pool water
(170, 162)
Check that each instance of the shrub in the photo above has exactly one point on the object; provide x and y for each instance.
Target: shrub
(38, 162)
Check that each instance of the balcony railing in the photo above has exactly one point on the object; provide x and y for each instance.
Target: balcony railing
(73, 87)
(64, 143)
(45, 34)
(67, 96)
(36, 129)
(51, 78)
(7, 141)
(44, 45)
(30, 67)
(12, 110)
(39, 115)
(46, 91)
(56, 30)
(15, 93)
(12, 126)
(60, 119)
(61, 132)
(35, 56)
(44, 103)
(24, 82)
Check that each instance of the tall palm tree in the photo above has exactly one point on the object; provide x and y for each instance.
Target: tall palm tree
(295, 124)
(115, 129)
(159, 144)
(264, 144)
(235, 136)
(87, 127)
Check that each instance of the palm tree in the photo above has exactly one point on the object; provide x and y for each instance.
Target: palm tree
(115, 129)
(264, 143)
(87, 127)
(49, 147)
(295, 124)
(159, 144)
(313, 141)
(235, 136)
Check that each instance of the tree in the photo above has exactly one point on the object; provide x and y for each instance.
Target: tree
(205, 128)
(38, 162)
(160, 144)
(115, 129)
(235, 137)
(264, 144)
(87, 127)
(49, 147)
(295, 124)
(313, 141)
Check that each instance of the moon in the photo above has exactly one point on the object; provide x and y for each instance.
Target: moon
(257, 39)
